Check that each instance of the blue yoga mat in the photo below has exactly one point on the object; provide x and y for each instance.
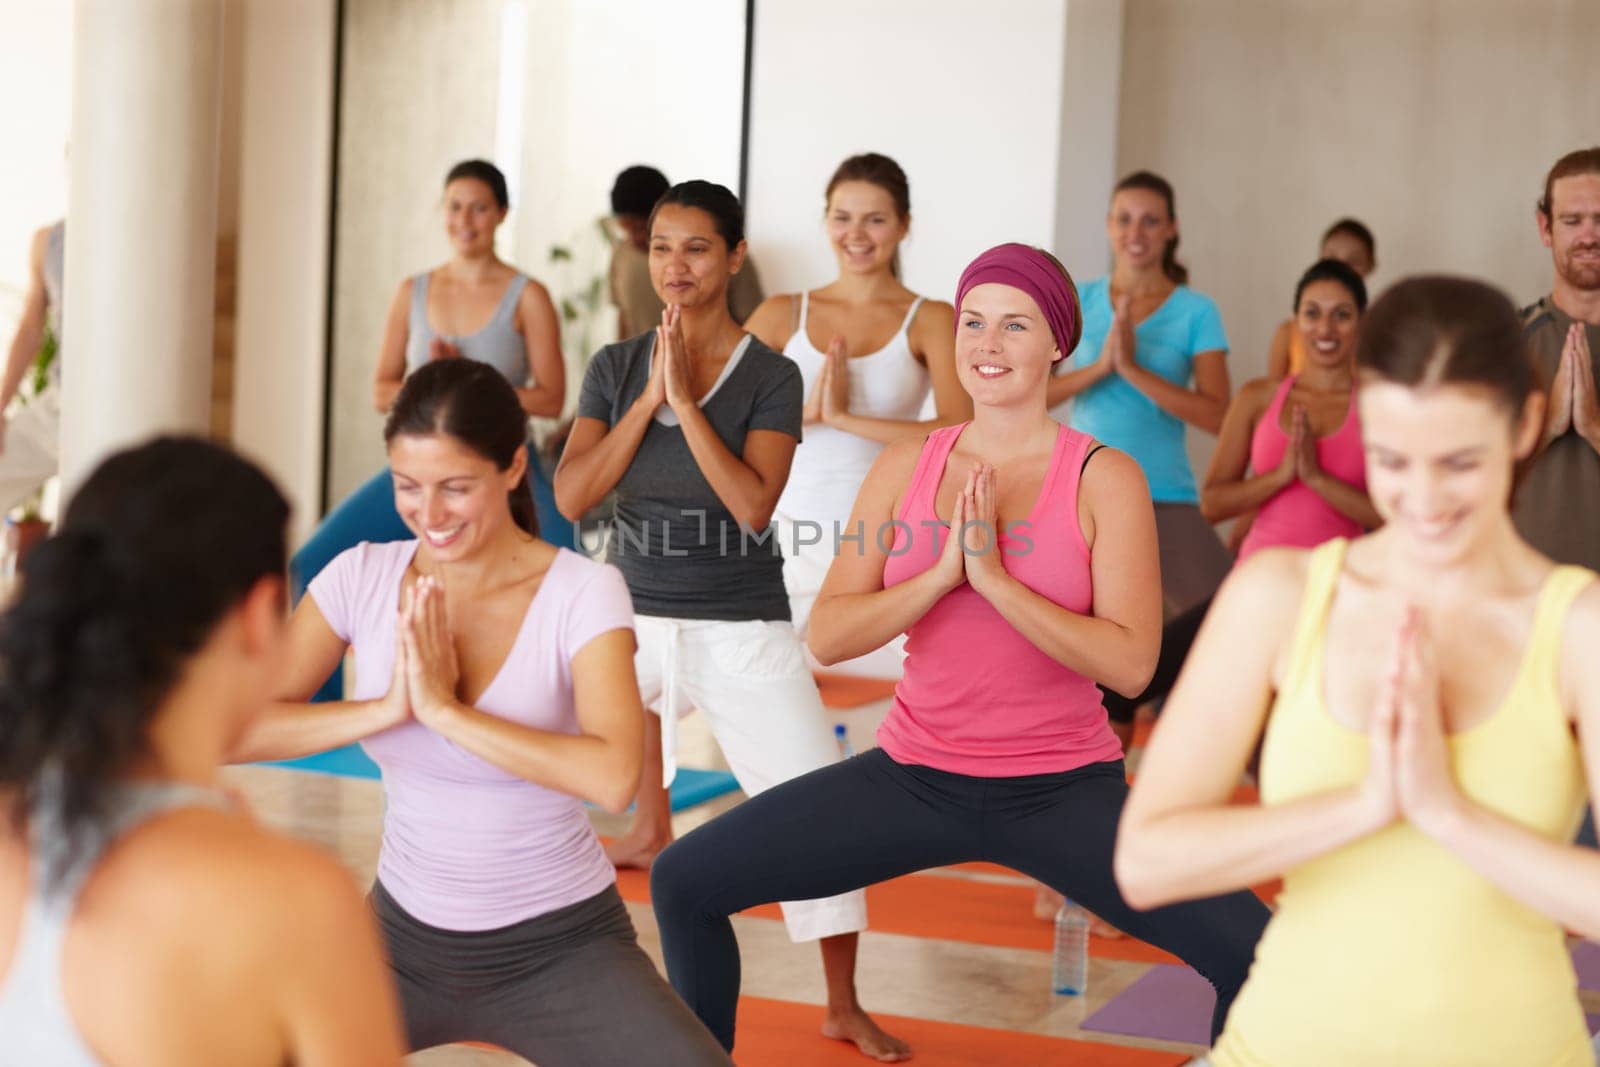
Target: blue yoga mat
(691, 787)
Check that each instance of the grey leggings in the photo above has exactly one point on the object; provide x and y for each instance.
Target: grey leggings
(570, 987)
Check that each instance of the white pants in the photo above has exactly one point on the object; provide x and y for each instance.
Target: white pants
(752, 682)
(803, 572)
(31, 452)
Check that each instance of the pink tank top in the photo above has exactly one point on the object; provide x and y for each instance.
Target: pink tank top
(978, 698)
(1297, 517)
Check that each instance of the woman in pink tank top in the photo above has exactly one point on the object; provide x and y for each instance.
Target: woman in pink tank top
(1289, 455)
(1021, 564)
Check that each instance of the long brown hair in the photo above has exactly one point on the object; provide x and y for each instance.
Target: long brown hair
(1155, 183)
(881, 171)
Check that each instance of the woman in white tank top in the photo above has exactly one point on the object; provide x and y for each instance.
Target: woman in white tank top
(885, 347)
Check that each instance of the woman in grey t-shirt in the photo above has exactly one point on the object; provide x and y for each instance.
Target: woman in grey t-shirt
(694, 425)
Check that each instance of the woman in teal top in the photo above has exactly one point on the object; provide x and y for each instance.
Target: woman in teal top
(1152, 361)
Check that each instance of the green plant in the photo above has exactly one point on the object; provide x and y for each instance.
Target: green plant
(35, 382)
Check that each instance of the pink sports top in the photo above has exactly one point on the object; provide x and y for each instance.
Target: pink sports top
(977, 697)
(1297, 517)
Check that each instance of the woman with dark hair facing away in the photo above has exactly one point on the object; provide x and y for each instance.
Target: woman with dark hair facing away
(494, 688)
(1428, 708)
(142, 918)
(694, 427)
(1289, 452)
(1152, 362)
(866, 384)
(473, 306)
(1351, 243)
(1020, 561)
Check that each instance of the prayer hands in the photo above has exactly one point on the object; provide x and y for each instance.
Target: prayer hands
(981, 538)
(835, 382)
(1304, 447)
(1408, 751)
(439, 348)
(1580, 370)
(1120, 341)
(432, 672)
(677, 385)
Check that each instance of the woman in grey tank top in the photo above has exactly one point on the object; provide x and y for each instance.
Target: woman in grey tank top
(472, 306)
(147, 633)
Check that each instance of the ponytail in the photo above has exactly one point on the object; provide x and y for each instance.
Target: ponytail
(155, 548)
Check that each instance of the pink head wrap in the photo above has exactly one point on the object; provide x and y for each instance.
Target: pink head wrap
(1031, 271)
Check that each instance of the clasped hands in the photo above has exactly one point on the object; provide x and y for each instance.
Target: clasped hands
(426, 671)
(1573, 401)
(1408, 751)
(1300, 455)
(971, 550)
(829, 398)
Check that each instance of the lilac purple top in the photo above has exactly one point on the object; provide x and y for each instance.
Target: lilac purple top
(978, 698)
(466, 845)
(1296, 517)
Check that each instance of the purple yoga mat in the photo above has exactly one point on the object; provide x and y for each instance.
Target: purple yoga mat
(1586, 961)
(1167, 1003)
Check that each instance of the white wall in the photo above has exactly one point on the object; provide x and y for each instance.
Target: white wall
(967, 100)
(35, 115)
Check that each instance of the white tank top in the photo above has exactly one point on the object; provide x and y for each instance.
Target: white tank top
(830, 464)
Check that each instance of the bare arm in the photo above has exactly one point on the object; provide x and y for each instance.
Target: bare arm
(1346, 499)
(1229, 488)
(1181, 837)
(541, 334)
(773, 321)
(596, 456)
(933, 338)
(1117, 643)
(29, 337)
(1554, 877)
(599, 764)
(1278, 350)
(748, 485)
(1079, 378)
(292, 727)
(1203, 406)
(854, 614)
(331, 985)
(391, 370)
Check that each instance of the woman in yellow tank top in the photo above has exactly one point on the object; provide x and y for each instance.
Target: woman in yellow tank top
(1419, 691)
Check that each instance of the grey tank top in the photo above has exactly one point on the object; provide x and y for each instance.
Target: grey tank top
(34, 1018)
(497, 343)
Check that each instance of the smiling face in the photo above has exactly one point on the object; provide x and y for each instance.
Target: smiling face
(1439, 462)
(1004, 347)
(690, 263)
(864, 227)
(453, 498)
(1139, 228)
(471, 216)
(1327, 319)
(1572, 230)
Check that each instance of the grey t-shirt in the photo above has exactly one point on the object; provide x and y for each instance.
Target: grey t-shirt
(676, 543)
(1557, 506)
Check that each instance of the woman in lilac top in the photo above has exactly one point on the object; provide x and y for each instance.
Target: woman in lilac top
(494, 687)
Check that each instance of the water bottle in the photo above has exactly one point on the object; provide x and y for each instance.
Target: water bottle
(842, 736)
(1069, 972)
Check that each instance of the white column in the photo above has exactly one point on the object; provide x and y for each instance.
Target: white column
(141, 225)
(1091, 98)
(285, 200)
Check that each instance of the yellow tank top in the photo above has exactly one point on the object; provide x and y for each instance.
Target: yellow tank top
(1391, 951)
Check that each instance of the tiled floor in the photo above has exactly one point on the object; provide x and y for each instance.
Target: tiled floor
(951, 981)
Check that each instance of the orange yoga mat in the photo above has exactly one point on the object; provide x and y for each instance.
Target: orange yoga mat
(777, 1033)
(842, 692)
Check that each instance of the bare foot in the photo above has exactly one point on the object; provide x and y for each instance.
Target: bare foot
(1100, 928)
(638, 849)
(1046, 902)
(857, 1026)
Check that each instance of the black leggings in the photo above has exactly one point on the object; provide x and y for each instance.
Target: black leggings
(1177, 638)
(869, 819)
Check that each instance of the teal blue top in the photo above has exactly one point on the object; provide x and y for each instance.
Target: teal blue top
(1115, 413)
